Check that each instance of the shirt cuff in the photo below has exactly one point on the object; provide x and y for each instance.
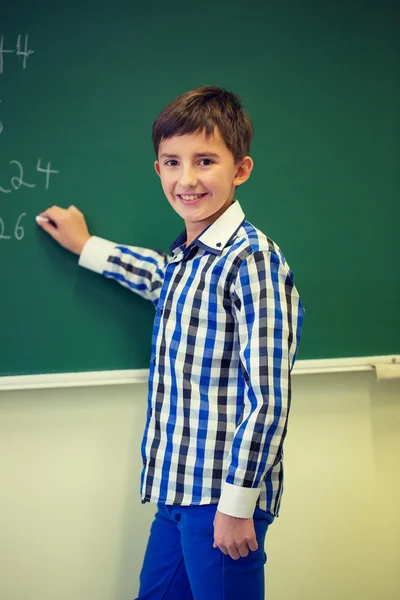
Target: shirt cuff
(95, 254)
(238, 501)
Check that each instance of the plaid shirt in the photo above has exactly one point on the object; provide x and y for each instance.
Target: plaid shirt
(226, 331)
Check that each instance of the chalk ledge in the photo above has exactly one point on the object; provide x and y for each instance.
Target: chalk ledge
(379, 364)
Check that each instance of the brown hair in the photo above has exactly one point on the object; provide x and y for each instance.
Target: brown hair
(203, 109)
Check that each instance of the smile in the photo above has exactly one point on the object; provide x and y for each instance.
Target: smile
(190, 198)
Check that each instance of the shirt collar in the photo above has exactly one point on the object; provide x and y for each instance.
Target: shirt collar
(216, 236)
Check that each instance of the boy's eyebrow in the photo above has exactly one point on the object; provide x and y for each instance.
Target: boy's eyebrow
(197, 155)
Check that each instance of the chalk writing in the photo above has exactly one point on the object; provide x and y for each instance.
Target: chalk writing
(25, 53)
(47, 170)
(19, 51)
(11, 229)
(17, 181)
(18, 229)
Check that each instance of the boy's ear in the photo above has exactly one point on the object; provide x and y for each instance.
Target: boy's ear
(243, 170)
(157, 167)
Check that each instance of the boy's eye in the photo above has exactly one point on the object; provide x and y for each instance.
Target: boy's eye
(172, 162)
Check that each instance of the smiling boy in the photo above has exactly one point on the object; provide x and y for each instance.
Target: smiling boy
(226, 331)
(199, 165)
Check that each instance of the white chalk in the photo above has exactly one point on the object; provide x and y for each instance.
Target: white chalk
(42, 219)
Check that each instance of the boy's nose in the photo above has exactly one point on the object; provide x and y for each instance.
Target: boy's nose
(188, 178)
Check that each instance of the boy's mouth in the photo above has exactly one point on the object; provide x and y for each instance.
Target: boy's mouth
(190, 198)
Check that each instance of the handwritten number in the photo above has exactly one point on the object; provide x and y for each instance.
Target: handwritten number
(19, 230)
(25, 53)
(19, 180)
(2, 51)
(2, 236)
(47, 170)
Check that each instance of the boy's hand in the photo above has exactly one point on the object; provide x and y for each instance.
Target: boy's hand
(67, 227)
(233, 535)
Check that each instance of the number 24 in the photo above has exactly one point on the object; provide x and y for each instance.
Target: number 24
(18, 180)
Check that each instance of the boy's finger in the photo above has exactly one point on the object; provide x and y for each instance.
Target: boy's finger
(50, 228)
(54, 213)
(253, 544)
(40, 220)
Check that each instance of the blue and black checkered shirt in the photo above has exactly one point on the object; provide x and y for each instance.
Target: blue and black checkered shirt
(226, 330)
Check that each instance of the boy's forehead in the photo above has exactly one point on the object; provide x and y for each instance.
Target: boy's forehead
(194, 142)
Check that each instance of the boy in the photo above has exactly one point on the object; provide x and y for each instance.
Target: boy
(226, 330)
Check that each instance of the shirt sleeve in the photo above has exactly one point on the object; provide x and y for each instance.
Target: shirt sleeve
(139, 269)
(268, 315)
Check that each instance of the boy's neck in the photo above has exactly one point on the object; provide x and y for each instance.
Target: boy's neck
(192, 234)
(191, 237)
(193, 230)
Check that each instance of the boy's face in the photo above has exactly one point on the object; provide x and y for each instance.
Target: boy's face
(198, 175)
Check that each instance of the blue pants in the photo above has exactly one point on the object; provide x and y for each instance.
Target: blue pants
(180, 562)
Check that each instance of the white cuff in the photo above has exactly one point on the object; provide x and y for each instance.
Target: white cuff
(95, 254)
(238, 501)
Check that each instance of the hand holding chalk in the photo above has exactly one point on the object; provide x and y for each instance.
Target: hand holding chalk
(67, 226)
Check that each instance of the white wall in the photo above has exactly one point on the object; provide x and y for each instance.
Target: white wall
(72, 526)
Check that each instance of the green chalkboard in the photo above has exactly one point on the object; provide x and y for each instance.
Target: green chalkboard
(80, 86)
